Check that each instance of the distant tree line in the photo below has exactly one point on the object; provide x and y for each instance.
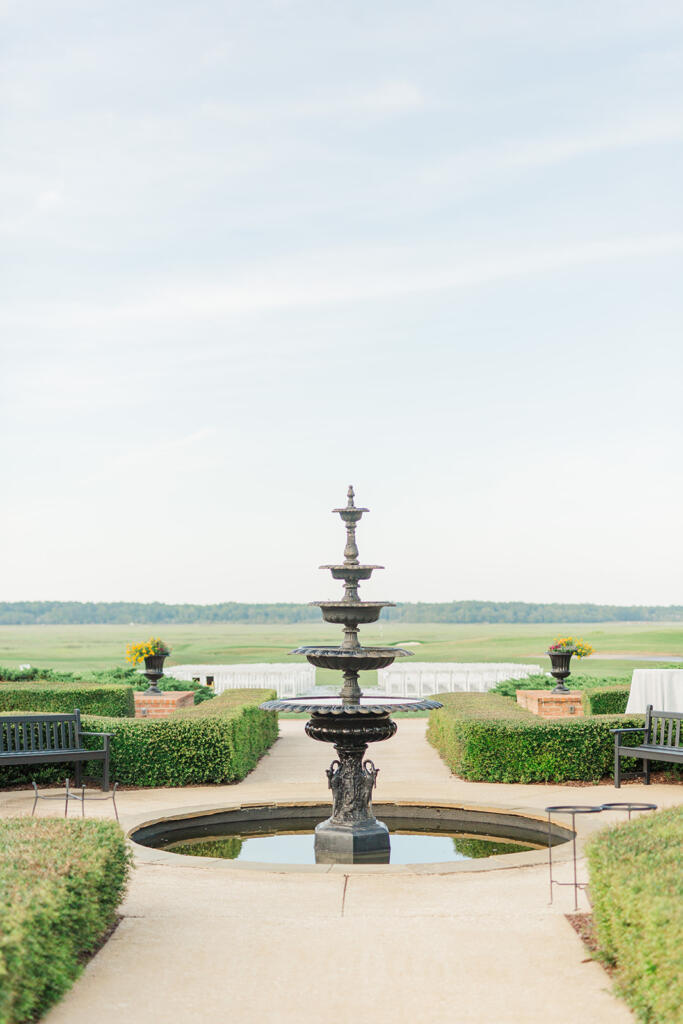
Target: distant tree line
(25, 613)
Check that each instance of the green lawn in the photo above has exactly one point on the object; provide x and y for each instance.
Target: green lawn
(90, 647)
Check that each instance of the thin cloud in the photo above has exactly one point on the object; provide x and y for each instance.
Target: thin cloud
(357, 276)
(490, 161)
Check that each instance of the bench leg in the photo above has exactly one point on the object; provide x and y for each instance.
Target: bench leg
(646, 770)
(78, 773)
(617, 772)
(105, 775)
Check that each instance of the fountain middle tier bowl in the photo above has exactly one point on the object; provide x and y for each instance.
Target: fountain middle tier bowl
(352, 659)
(370, 706)
(352, 613)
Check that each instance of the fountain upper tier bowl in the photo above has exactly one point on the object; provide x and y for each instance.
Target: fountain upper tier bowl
(352, 659)
(351, 572)
(380, 705)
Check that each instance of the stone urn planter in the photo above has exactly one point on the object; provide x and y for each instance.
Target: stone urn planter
(154, 670)
(559, 668)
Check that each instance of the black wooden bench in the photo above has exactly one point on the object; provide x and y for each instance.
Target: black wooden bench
(661, 741)
(42, 739)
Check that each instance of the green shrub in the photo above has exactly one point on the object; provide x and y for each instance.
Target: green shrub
(167, 683)
(60, 884)
(487, 738)
(636, 887)
(108, 677)
(115, 701)
(118, 674)
(611, 700)
(509, 687)
(214, 742)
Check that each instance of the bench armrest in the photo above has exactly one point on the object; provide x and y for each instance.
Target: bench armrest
(634, 728)
(84, 733)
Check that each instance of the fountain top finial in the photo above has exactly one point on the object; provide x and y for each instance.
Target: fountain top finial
(350, 513)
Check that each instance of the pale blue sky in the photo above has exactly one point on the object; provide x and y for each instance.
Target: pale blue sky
(254, 252)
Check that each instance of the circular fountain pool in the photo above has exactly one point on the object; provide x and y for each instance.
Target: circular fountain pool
(282, 834)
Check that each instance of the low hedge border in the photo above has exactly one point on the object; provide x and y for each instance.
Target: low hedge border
(214, 742)
(611, 700)
(60, 884)
(113, 701)
(486, 738)
(636, 887)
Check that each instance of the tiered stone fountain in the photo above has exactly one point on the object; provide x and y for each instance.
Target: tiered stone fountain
(351, 721)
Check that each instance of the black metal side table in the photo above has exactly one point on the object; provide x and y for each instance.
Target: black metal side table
(572, 809)
(70, 795)
(575, 809)
(630, 807)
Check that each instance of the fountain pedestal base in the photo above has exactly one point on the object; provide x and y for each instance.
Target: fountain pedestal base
(361, 843)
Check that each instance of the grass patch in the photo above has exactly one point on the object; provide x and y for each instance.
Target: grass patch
(636, 888)
(60, 885)
(84, 648)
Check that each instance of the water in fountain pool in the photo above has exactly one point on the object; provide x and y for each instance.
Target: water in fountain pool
(289, 847)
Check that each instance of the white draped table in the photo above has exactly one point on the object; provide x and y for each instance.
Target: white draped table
(661, 687)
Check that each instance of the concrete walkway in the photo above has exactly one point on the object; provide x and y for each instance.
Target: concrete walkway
(201, 943)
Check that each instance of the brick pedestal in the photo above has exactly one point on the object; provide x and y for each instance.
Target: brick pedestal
(546, 704)
(147, 706)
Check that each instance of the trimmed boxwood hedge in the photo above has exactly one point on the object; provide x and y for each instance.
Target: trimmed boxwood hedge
(636, 888)
(218, 741)
(611, 700)
(487, 738)
(115, 701)
(60, 884)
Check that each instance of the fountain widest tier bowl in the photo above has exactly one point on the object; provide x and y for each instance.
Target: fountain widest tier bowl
(364, 706)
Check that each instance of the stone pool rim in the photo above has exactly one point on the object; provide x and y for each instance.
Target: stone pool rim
(533, 858)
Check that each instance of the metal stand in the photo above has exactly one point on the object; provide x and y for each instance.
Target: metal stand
(572, 809)
(69, 795)
(575, 809)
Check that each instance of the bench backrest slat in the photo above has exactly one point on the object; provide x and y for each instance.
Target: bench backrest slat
(678, 733)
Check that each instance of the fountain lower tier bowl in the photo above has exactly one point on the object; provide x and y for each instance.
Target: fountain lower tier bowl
(352, 659)
(352, 613)
(362, 707)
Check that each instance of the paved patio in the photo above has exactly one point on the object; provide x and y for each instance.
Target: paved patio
(201, 941)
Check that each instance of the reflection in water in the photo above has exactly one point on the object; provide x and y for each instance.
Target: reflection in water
(297, 848)
(228, 848)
